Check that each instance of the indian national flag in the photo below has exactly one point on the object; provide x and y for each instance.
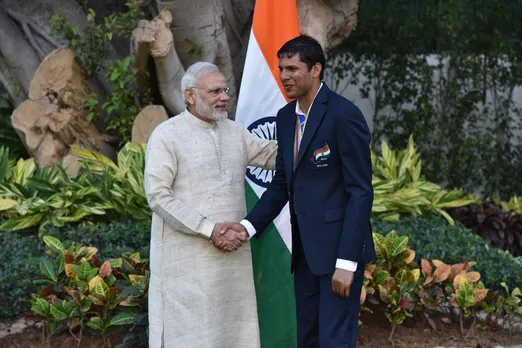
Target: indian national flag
(260, 97)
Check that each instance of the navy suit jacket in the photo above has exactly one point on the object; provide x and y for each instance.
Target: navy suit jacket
(330, 192)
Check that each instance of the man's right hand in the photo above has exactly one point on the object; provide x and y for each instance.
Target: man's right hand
(228, 236)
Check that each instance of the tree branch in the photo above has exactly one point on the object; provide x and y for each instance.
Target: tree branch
(32, 41)
(19, 56)
(21, 18)
(16, 92)
(155, 38)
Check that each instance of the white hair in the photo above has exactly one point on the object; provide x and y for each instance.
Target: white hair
(193, 74)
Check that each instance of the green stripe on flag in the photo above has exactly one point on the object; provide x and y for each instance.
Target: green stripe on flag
(274, 285)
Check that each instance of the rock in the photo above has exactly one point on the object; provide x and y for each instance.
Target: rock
(482, 316)
(20, 324)
(71, 164)
(517, 328)
(148, 119)
(456, 312)
(445, 320)
(17, 327)
(30, 322)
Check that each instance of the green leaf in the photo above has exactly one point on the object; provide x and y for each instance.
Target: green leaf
(516, 292)
(4, 163)
(47, 268)
(60, 264)
(111, 280)
(464, 294)
(93, 272)
(116, 263)
(123, 318)
(86, 305)
(41, 307)
(95, 323)
(54, 244)
(98, 287)
(42, 185)
(84, 270)
(92, 210)
(58, 314)
(7, 203)
(115, 75)
(446, 216)
(22, 222)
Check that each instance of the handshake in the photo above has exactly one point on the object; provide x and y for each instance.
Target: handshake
(228, 236)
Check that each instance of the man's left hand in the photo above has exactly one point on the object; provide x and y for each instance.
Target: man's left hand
(341, 282)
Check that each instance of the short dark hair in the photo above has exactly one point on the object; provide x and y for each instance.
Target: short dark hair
(310, 51)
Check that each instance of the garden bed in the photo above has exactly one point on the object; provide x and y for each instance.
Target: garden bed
(374, 333)
(413, 334)
(31, 338)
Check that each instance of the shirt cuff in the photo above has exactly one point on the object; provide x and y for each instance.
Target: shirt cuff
(249, 227)
(347, 265)
(207, 228)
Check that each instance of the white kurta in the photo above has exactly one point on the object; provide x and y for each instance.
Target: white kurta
(194, 177)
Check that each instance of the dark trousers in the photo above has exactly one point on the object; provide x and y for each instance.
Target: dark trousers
(324, 320)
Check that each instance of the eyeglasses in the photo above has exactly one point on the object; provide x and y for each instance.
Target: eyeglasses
(215, 91)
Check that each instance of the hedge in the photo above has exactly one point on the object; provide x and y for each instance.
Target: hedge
(434, 238)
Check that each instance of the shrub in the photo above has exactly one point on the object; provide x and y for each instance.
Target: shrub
(112, 240)
(21, 254)
(80, 292)
(104, 191)
(394, 281)
(401, 190)
(499, 227)
(433, 238)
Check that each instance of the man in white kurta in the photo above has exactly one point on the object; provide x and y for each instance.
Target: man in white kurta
(200, 296)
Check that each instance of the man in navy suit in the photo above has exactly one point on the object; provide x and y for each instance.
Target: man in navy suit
(324, 170)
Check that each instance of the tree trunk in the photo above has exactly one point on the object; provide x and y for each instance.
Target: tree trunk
(238, 21)
(199, 33)
(329, 22)
(210, 30)
(54, 117)
(20, 59)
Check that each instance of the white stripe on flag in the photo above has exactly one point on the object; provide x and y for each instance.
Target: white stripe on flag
(261, 97)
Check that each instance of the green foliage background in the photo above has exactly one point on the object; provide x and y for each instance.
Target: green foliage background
(465, 123)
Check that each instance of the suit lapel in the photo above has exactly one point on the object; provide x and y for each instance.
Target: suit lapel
(314, 120)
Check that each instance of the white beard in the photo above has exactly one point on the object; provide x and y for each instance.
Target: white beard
(208, 111)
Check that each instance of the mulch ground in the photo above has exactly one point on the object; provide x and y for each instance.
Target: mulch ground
(373, 334)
